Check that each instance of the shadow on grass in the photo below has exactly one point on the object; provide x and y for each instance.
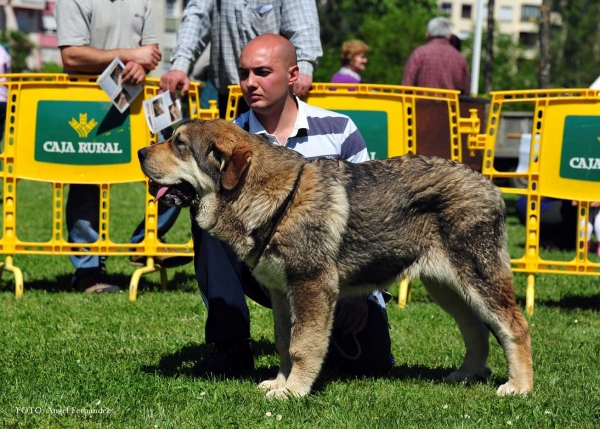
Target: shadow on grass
(62, 283)
(181, 363)
(573, 303)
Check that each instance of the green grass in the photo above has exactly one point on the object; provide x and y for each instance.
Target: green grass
(65, 354)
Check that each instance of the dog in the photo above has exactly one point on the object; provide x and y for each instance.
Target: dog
(313, 231)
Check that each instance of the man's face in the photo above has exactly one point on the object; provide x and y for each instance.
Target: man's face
(264, 77)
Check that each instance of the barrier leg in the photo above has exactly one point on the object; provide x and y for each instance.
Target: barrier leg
(8, 265)
(530, 295)
(150, 267)
(403, 292)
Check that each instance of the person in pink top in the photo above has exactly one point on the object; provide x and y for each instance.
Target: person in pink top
(438, 64)
(4, 68)
(353, 56)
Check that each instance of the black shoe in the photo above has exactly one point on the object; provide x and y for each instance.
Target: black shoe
(94, 280)
(163, 261)
(227, 358)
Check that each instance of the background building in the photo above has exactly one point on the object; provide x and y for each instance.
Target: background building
(517, 18)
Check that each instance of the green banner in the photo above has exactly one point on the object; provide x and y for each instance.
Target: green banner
(373, 125)
(82, 133)
(580, 155)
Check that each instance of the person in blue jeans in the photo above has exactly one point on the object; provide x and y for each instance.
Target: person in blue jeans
(88, 48)
(360, 342)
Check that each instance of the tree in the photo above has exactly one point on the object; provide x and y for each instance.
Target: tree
(575, 44)
(544, 32)
(488, 68)
(391, 28)
(20, 47)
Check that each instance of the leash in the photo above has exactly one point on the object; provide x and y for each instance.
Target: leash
(279, 215)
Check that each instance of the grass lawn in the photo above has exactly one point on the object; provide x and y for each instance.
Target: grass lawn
(69, 359)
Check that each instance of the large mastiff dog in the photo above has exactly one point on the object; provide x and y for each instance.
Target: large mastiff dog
(313, 231)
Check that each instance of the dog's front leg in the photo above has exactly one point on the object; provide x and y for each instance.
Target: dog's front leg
(311, 307)
(283, 320)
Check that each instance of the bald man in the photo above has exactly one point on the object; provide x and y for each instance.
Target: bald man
(267, 72)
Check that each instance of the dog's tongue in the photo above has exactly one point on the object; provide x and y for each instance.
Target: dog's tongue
(161, 191)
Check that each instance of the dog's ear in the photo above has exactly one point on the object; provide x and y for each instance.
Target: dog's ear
(235, 159)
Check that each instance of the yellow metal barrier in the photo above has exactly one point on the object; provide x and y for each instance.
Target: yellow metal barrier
(564, 163)
(63, 129)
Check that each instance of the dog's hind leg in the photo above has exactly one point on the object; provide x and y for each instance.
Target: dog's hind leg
(312, 304)
(473, 330)
(282, 318)
(503, 316)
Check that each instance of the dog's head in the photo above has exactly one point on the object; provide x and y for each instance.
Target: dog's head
(201, 157)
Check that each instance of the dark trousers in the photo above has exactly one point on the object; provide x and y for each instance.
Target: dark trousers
(224, 283)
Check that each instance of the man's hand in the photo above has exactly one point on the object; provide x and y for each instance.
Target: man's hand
(133, 74)
(174, 80)
(148, 56)
(351, 314)
(302, 85)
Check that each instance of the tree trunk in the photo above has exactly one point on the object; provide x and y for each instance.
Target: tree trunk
(489, 49)
(544, 76)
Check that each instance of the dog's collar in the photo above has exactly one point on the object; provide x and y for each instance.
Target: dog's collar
(279, 216)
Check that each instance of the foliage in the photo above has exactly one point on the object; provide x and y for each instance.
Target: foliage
(20, 48)
(513, 70)
(391, 28)
(575, 47)
(51, 68)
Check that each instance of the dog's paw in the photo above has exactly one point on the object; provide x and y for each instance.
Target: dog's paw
(469, 376)
(272, 384)
(282, 394)
(514, 388)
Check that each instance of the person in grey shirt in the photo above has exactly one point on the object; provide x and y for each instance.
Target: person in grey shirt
(229, 25)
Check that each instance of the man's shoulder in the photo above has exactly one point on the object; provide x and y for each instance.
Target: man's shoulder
(318, 112)
(243, 120)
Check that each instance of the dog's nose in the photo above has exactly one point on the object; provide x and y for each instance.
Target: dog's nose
(142, 154)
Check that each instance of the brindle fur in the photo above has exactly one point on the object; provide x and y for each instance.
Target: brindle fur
(350, 229)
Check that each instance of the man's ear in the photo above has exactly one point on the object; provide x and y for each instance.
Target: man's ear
(235, 159)
(294, 72)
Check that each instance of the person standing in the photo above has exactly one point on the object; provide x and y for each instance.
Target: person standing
(229, 25)
(354, 59)
(91, 33)
(438, 64)
(4, 69)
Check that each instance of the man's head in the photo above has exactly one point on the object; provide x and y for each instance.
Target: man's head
(439, 27)
(267, 69)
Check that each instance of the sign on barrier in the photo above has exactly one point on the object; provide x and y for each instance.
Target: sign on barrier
(63, 129)
(563, 163)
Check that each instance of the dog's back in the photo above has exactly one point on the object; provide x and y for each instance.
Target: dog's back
(406, 209)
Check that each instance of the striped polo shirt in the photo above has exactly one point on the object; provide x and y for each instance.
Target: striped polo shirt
(317, 133)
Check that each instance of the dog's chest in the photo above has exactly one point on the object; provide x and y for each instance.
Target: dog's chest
(270, 273)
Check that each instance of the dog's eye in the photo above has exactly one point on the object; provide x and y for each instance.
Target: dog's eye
(178, 141)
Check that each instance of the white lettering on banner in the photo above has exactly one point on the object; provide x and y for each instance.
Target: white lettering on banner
(63, 147)
(82, 147)
(585, 163)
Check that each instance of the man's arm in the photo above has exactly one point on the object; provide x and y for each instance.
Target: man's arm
(91, 60)
(138, 61)
(192, 38)
(300, 25)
